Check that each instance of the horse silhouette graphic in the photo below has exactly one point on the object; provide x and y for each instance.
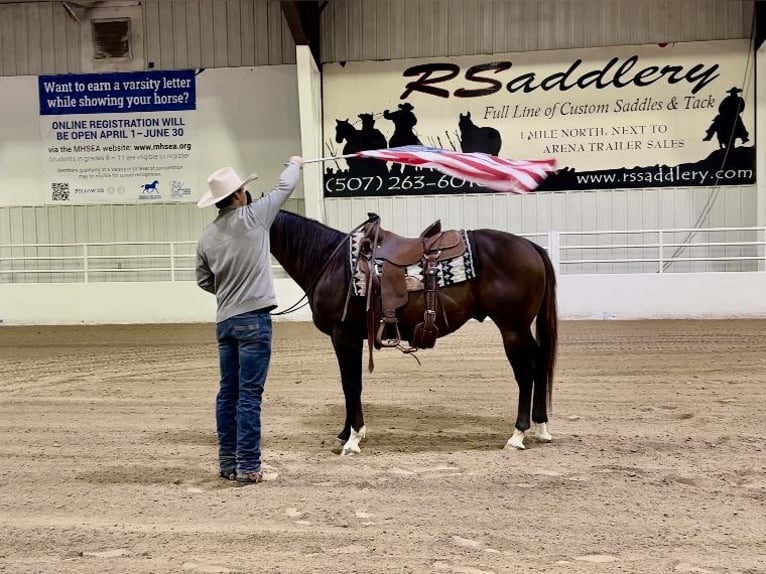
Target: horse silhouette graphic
(359, 140)
(478, 139)
(150, 187)
(728, 125)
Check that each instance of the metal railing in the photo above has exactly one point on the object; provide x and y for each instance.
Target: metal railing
(678, 250)
(724, 249)
(143, 261)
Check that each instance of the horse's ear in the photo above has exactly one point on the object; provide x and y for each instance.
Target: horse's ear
(468, 114)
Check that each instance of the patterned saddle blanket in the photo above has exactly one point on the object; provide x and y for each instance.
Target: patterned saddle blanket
(450, 271)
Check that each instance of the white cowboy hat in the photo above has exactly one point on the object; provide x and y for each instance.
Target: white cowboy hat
(222, 183)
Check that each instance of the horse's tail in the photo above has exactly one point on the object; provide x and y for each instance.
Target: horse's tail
(547, 327)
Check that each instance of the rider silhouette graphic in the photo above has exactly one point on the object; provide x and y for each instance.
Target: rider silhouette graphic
(727, 125)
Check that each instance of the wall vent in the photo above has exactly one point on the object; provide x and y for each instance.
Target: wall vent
(111, 38)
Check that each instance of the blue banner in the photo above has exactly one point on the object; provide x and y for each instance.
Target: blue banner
(121, 136)
(114, 93)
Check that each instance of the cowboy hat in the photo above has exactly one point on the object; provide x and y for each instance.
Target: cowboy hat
(222, 183)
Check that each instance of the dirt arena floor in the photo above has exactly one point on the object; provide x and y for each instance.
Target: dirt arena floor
(108, 456)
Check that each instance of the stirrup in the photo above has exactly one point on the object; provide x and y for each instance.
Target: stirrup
(388, 342)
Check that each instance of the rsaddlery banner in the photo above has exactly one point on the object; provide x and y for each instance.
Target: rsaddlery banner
(658, 115)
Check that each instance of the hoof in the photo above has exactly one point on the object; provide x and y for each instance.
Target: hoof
(541, 432)
(516, 441)
(352, 444)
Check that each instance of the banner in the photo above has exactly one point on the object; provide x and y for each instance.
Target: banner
(118, 137)
(667, 115)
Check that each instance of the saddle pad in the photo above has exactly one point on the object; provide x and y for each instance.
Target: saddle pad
(449, 272)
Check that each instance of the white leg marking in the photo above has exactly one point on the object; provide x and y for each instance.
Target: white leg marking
(516, 441)
(354, 438)
(541, 431)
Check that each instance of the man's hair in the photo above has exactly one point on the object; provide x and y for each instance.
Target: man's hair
(226, 201)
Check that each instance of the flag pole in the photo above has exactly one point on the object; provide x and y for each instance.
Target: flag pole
(328, 158)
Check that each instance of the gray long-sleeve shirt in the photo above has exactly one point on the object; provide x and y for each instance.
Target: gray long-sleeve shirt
(233, 252)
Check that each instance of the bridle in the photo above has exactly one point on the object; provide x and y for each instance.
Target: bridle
(371, 217)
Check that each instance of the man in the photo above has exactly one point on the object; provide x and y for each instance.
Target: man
(234, 263)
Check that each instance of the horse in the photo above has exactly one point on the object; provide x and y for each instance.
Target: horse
(515, 285)
(150, 187)
(478, 139)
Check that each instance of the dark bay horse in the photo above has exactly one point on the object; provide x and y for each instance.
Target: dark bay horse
(515, 286)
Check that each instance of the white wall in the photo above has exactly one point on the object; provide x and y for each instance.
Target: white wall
(660, 296)
(123, 303)
(256, 126)
(245, 117)
(663, 296)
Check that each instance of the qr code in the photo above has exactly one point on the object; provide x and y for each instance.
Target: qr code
(60, 191)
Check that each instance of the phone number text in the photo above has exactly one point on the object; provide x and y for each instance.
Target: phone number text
(340, 184)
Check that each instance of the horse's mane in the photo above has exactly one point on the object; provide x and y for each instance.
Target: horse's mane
(316, 239)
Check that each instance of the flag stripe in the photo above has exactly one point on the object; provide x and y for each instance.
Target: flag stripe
(471, 165)
(519, 176)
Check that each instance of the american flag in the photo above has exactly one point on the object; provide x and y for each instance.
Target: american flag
(516, 176)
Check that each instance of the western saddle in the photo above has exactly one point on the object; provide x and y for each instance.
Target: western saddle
(388, 290)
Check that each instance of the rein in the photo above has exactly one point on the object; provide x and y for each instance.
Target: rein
(341, 243)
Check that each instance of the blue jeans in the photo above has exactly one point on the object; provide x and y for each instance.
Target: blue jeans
(244, 352)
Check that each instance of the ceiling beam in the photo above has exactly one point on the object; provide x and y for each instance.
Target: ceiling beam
(302, 18)
(759, 16)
